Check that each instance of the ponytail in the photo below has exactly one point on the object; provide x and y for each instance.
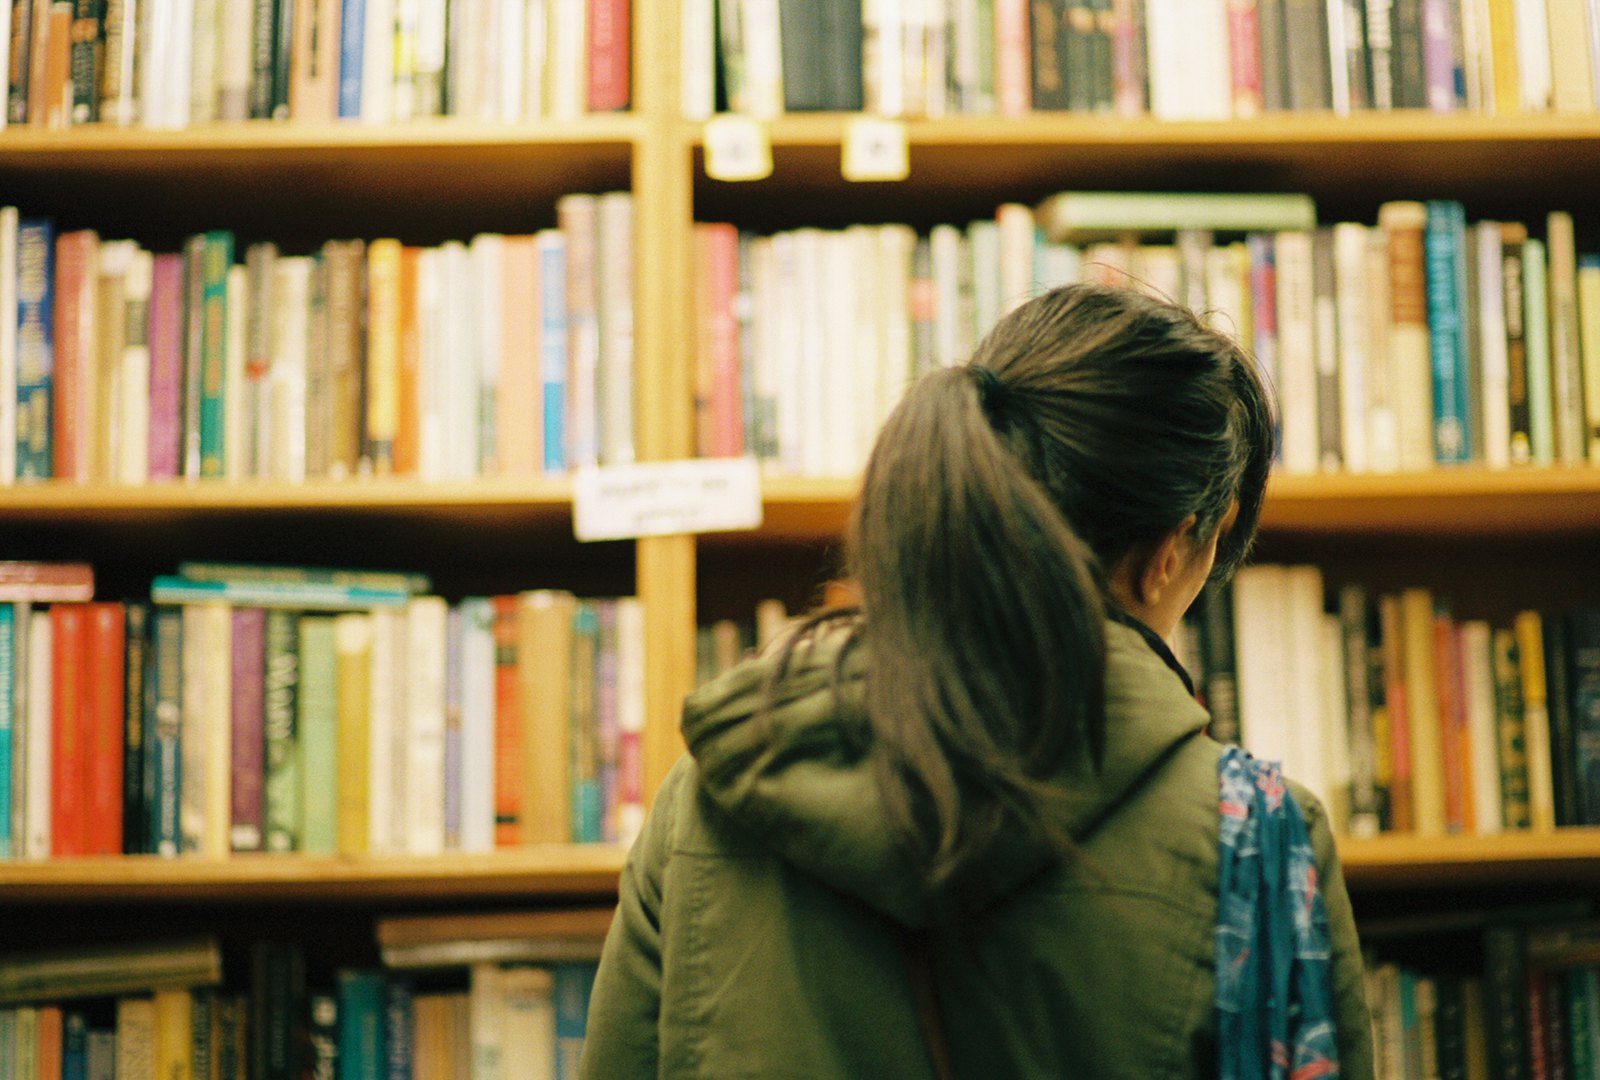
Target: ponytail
(984, 622)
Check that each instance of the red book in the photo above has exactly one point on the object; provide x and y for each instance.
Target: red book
(77, 265)
(103, 696)
(725, 407)
(248, 821)
(49, 1043)
(69, 819)
(609, 55)
(507, 726)
(1452, 723)
(166, 365)
(1401, 818)
(1013, 67)
(1244, 55)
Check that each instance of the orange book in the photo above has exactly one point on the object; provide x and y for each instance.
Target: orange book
(50, 83)
(1422, 706)
(103, 698)
(519, 426)
(407, 435)
(48, 1061)
(507, 726)
(1401, 818)
(69, 762)
(76, 300)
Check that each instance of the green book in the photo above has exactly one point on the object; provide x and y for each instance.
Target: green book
(1535, 290)
(319, 736)
(216, 259)
(1076, 217)
(281, 688)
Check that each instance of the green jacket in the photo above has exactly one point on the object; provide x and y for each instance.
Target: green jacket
(762, 910)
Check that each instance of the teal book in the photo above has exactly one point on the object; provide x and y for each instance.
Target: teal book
(587, 806)
(1580, 1034)
(164, 729)
(573, 985)
(310, 595)
(386, 580)
(8, 713)
(216, 259)
(281, 688)
(361, 1008)
(1536, 329)
(317, 703)
(1444, 253)
(74, 1045)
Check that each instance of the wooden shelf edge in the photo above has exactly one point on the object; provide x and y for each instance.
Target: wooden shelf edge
(569, 870)
(1404, 861)
(555, 492)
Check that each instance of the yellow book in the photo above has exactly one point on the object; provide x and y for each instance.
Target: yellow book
(1422, 712)
(1503, 57)
(1536, 721)
(352, 635)
(174, 1037)
(383, 351)
(1589, 336)
(544, 652)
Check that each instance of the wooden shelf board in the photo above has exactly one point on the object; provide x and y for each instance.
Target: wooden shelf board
(56, 500)
(1569, 855)
(1444, 502)
(550, 870)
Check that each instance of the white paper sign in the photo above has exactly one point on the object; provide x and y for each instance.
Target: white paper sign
(737, 148)
(666, 498)
(875, 149)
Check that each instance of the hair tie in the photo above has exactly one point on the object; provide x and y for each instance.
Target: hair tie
(993, 391)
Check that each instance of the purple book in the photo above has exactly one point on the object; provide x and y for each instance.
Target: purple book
(1438, 54)
(607, 707)
(249, 733)
(166, 365)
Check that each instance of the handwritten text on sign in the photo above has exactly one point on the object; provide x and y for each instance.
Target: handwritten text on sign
(622, 502)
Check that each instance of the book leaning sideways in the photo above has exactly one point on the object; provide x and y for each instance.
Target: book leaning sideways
(1078, 217)
(105, 971)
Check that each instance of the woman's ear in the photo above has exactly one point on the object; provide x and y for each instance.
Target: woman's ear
(1163, 562)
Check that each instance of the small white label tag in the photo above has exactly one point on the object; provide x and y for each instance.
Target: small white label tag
(737, 148)
(666, 498)
(875, 149)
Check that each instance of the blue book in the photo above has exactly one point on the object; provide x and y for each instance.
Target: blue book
(553, 346)
(36, 256)
(352, 34)
(164, 759)
(1445, 257)
(171, 589)
(585, 725)
(74, 1046)
(397, 1032)
(573, 985)
(8, 703)
(362, 1001)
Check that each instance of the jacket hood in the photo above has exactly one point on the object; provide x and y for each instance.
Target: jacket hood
(800, 777)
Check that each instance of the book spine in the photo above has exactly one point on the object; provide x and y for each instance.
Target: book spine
(280, 709)
(1510, 731)
(39, 744)
(318, 393)
(508, 785)
(486, 269)
(217, 258)
(1444, 252)
(9, 699)
(573, 985)
(69, 725)
(277, 995)
(1583, 692)
(1536, 720)
(1566, 360)
(20, 16)
(1365, 801)
(1012, 77)
(1589, 332)
(609, 55)
(248, 767)
(35, 347)
(454, 736)
(282, 57)
(1438, 68)
(1296, 322)
(1453, 745)
(1325, 330)
(193, 363)
(1518, 418)
(166, 786)
(136, 750)
(383, 351)
(1558, 704)
(615, 371)
(361, 1025)
(353, 674)
(584, 721)
(1350, 304)
(316, 725)
(1536, 329)
(103, 693)
(408, 407)
(76, 256)
(87, 45)
(426, 625)
(1380, 55)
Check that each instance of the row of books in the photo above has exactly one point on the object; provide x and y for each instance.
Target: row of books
(1417, 342)
(1530, 1006)
(169, 1009)
(721, 644)
(1399, 715)
(1175, 59)
(172, 63)
(505, 355)
(277, 709)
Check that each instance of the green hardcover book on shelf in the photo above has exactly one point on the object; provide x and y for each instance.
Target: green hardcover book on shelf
(284, 791)
(318, 708)
(1076, 217)
(1536, 327)
(216, 259)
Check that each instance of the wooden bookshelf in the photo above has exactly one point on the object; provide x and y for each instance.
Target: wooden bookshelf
(1513, 858)
(552, 870)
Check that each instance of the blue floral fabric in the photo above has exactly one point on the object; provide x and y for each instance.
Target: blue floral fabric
(1274, 970)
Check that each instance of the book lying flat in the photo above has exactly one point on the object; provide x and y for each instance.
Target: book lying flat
(1076, 217)
(105, 971)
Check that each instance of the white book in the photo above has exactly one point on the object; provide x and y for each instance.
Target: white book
(40, 737)
(567, 94)
(487, 253)
(914, 43)
(1338, 60)
(461, 363)
(206, 734)
(631, 710)
(403, 99)
(5, 68)
(528, 1051)
(763, 58)
(178, 78)
(22, 634)
(1534, 69)
(235, 427)
(487, 1026)
(867, 328)
(1335, 736)
(1261, 629)
(1477, 680)
(945, 244)
(1057, 265)
(1383, 434)
(1157, 269)
(1297, 352)
(1495, 364)
(477, 725)
(1306, 701)
(424, 673)
(205, 42)
(1227, 299)
(429, 75)
(1187, 46)
(984, 237)
(765, 378)
(432, 369)
(233, 61)
(1350, 299)
(896, 248)
(839, 359)
(1473, 20)
(536, 60)
(377, 63)
(963, 21)
(1015, 224)
(136, 1039)
(387, 768)
(812, 372)
(577, 215)
(697, 75)
(291, 308)
(8, 345)
(884, 60)
(787, 334)
(511, 40)
(155, 48)
(133, 452)
(614, 281)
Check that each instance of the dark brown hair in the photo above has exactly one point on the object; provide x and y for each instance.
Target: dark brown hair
(1090, 420)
